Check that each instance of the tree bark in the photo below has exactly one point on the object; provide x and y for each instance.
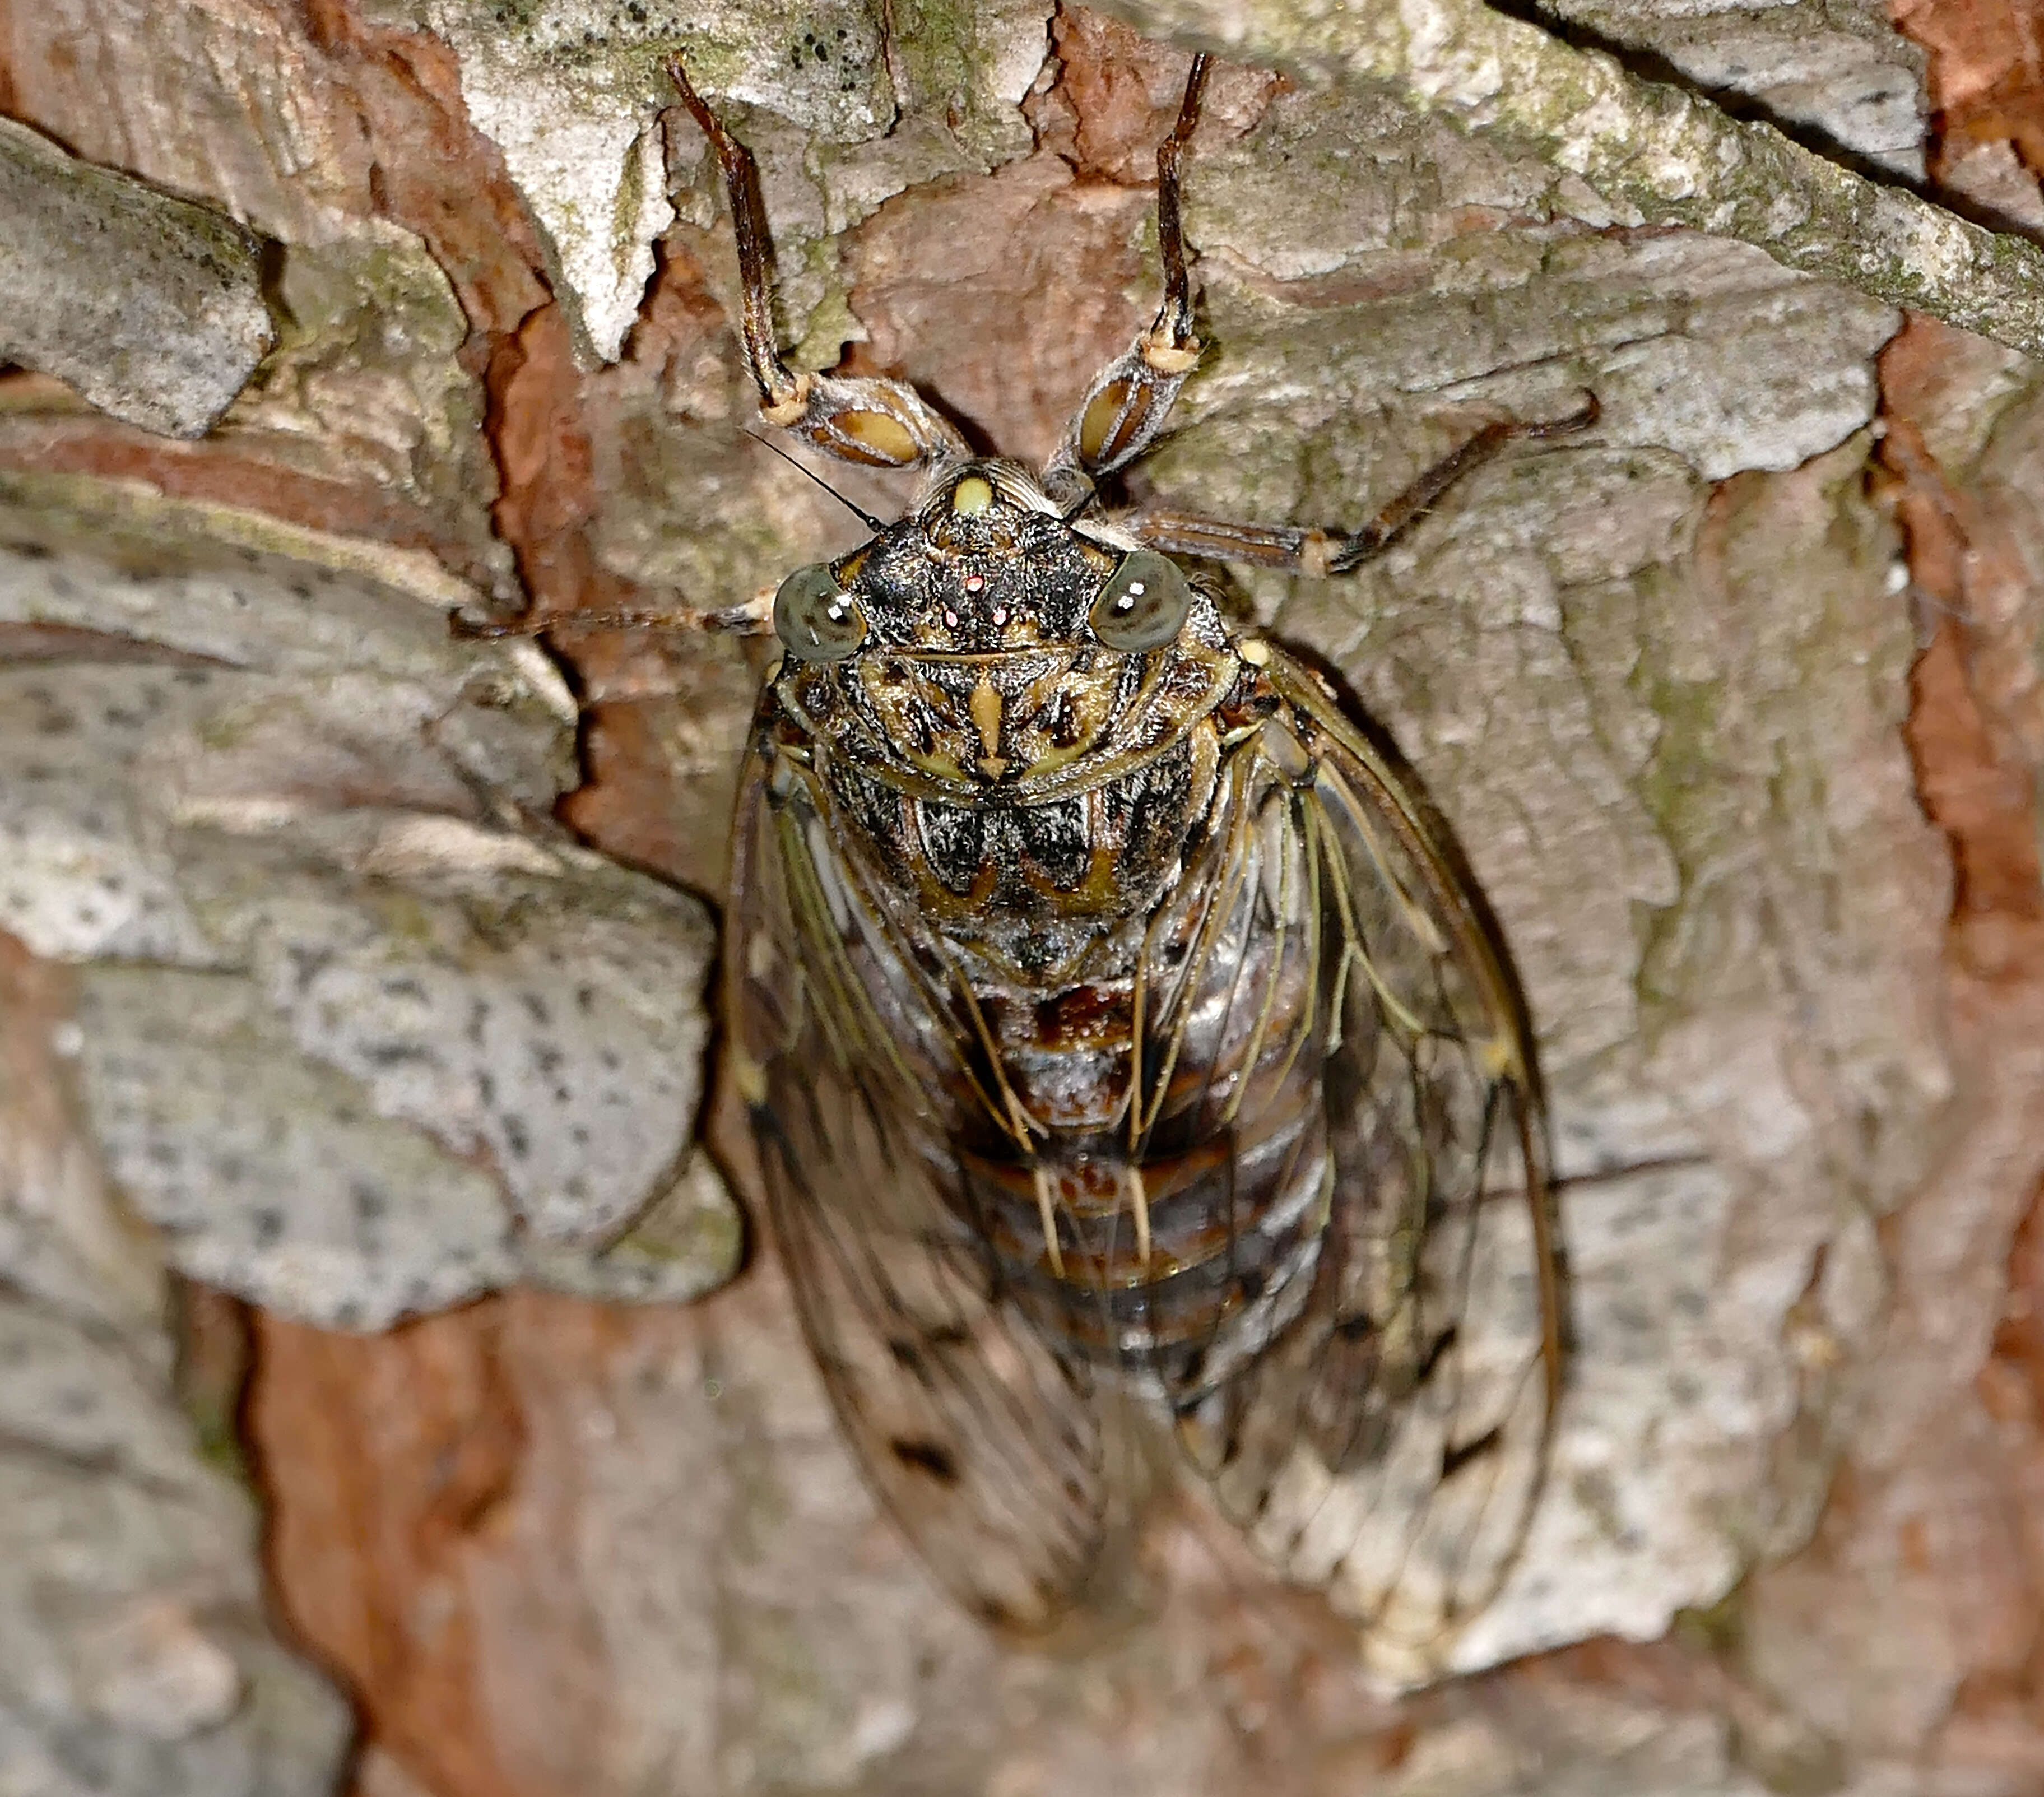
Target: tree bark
(371, 965)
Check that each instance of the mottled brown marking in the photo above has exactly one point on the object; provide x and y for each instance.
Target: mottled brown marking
(931, 1458)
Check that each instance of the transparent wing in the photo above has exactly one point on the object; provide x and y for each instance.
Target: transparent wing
(1388, 1437)
(976, 1434)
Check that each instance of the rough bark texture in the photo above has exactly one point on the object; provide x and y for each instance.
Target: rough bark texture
(151, 307)
(134, 1656)
(1734, 701)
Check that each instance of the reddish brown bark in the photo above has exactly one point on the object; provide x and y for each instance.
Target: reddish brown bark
(387, 1461)
(1974, 678)
(1987, 71)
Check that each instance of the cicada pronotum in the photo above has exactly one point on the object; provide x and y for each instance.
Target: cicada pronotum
(1120, 1029)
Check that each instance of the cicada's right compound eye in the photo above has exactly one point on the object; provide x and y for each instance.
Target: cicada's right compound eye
(1144, 604)
(816, 619)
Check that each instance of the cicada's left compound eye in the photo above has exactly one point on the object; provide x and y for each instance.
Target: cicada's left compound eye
(816, 619)
(1144, 604)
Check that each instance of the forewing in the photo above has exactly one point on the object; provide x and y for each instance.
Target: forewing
(978, 1436)
(1390, 1443)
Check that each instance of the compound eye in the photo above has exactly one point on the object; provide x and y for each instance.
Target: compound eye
(814, 617)
(1144, 604)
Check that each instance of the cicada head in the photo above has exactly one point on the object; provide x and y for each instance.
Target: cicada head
(986, 646)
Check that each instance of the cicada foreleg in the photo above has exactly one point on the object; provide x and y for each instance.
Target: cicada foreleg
(1304, 550)
(875, 422)
(1126, 406)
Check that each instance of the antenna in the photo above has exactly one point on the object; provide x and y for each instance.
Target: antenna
(866, 518)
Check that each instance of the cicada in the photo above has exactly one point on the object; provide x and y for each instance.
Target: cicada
(1120, 1029)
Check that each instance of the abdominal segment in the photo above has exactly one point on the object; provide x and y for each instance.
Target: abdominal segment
(1232, 1244)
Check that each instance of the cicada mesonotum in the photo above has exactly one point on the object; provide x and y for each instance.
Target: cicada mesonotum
(1119, 1028)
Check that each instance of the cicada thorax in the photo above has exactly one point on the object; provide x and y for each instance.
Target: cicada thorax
(1032, 884)
(1009, 767)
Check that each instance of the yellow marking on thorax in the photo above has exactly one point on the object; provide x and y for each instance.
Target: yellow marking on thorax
(986, 705)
